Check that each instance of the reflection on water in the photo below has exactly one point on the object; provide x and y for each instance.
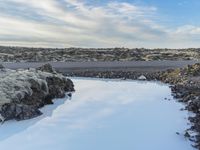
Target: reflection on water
(107, 114)
(10, 128)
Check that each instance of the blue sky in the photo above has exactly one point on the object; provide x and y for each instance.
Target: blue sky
(100, 23)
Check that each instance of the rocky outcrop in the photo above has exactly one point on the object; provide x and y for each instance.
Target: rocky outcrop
(23, 92)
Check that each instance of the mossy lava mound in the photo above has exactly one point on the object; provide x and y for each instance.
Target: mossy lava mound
(23, 92)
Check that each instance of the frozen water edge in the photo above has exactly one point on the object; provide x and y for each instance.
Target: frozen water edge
(104, 114)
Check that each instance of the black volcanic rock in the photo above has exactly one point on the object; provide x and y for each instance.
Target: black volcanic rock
(46, 68)
(1, 66)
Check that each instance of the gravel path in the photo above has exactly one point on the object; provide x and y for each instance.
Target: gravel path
(140, 66)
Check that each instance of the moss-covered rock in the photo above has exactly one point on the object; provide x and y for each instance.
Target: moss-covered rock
(23, 92)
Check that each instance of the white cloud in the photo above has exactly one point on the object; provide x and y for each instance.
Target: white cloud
(188, 29)
(75, 23)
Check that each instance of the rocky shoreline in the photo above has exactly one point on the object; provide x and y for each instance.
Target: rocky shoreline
(31, 89)
(24, 91)
(184, 83)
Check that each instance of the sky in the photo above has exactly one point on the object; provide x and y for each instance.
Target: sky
(100, 23)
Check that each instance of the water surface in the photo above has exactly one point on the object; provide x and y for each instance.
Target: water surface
(104, 115)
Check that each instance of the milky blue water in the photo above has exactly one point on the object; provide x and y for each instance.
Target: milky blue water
(104, 115)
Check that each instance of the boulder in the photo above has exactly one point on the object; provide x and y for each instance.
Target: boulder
(142, 77)
(2, 68)
(46, 68)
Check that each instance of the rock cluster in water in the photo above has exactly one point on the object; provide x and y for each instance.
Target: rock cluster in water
(23, 92)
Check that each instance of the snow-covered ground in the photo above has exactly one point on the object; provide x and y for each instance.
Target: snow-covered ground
(104, 115)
